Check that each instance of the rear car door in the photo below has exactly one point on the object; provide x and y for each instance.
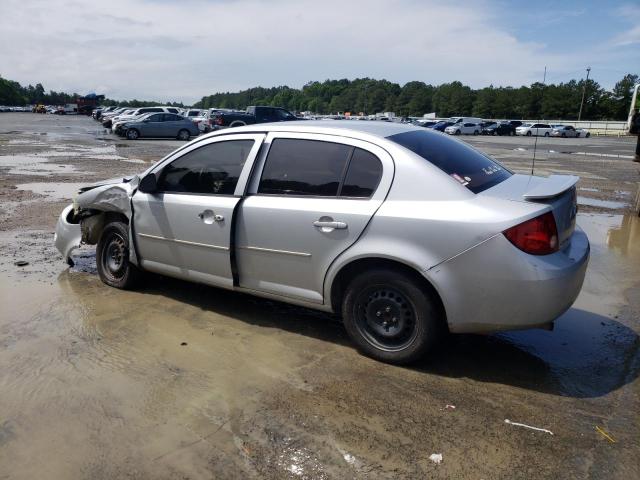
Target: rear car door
(184, 228)
(310, 199)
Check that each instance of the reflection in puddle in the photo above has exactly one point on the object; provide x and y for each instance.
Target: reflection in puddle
(595, 202)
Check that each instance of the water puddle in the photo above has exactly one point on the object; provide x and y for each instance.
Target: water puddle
(595, 202)
(57, 191)
(34, 165)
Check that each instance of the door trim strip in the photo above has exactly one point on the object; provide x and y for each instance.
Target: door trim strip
(184, 242)
(271, 250)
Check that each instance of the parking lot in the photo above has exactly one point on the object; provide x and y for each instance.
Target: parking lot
(184, 381)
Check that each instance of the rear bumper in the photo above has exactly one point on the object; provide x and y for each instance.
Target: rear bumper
(495, 286)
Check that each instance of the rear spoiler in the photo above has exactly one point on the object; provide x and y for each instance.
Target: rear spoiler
(554, 186)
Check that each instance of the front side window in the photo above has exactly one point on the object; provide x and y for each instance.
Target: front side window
(304, 167)
(155, 118)
(213, 169)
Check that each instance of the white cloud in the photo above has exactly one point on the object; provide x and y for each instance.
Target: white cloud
(631, 14)
(184, 50)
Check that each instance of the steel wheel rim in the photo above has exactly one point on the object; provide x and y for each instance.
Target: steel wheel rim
(114, 256)
(386, 318)
(183, 134)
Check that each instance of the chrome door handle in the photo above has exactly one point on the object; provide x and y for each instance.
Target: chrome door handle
(336, 225)
(208, 216)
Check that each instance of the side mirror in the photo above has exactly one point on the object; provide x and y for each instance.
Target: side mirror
(149, 184)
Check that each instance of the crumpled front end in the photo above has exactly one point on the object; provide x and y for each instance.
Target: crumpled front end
(82, 222)
(68, 234)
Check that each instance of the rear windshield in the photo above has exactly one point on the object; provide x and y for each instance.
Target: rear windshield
(468, 166)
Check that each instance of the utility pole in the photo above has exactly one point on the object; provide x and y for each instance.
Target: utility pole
(584, 89)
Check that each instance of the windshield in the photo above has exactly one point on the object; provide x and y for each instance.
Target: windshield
(468, 166)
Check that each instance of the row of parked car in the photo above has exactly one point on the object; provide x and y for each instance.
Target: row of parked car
(180, 123)
(477, 126)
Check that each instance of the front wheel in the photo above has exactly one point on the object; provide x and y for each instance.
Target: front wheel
(183, 135)
(112, 257)
(390, 317)
(133, 134)
(528, 134)
(457, 132)
(546, 134)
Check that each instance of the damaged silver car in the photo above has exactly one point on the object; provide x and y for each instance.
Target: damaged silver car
(405, 232)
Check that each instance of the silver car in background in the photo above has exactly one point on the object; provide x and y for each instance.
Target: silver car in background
(405, 232)
(564, 131)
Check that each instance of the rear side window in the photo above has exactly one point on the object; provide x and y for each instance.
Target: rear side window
(363, 175)
(213, 169)
(468, 166)
(304, 167)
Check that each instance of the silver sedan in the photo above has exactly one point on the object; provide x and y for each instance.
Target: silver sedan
(564, 131)
(405, 232)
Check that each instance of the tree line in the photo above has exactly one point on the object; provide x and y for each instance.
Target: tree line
(561, 100)
(416, 98)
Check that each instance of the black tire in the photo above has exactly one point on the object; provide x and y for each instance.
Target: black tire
(112, 257)
(390, 317)
(475, 132)
(184, 135)
(577, 135)
(564, 135)
(457, 132)
(587, 135)
(529, 133)
(133, 134)
(546, 134)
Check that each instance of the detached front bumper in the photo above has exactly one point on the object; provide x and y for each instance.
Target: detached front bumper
(495, 286)
(68, 234)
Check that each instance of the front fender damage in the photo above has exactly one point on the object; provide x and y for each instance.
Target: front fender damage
(82, 222)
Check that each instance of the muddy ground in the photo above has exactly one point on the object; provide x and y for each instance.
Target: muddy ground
(184, 381)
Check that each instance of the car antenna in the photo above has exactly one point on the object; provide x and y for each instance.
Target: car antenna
(535, 143)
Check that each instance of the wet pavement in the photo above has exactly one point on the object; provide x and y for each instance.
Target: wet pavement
(177, 380)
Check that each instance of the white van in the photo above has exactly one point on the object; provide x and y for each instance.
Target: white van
(457, 120)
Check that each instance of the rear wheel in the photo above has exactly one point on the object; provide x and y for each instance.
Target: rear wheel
(133, 134)
(183, 135)
(564, 135)
(475, 132)
(112, 257)
(546, 134)
(390, 317)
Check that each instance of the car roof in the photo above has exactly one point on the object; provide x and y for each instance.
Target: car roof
(345, 127)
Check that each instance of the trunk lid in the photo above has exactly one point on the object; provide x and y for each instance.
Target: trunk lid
(557, 191)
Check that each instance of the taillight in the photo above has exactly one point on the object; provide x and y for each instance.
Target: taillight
(538, 236)
(218, 120)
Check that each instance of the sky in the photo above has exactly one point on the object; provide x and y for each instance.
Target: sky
(182, 50)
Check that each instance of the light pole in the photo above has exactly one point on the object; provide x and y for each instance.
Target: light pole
(584, 89)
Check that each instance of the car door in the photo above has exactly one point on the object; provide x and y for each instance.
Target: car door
(171, 124)
(152, 125)
(309, 200)
(184, 228)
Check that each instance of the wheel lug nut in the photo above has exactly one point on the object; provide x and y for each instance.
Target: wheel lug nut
(388, 309)
(378, 313)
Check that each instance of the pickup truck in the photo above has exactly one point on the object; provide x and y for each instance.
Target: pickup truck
(224, 119)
